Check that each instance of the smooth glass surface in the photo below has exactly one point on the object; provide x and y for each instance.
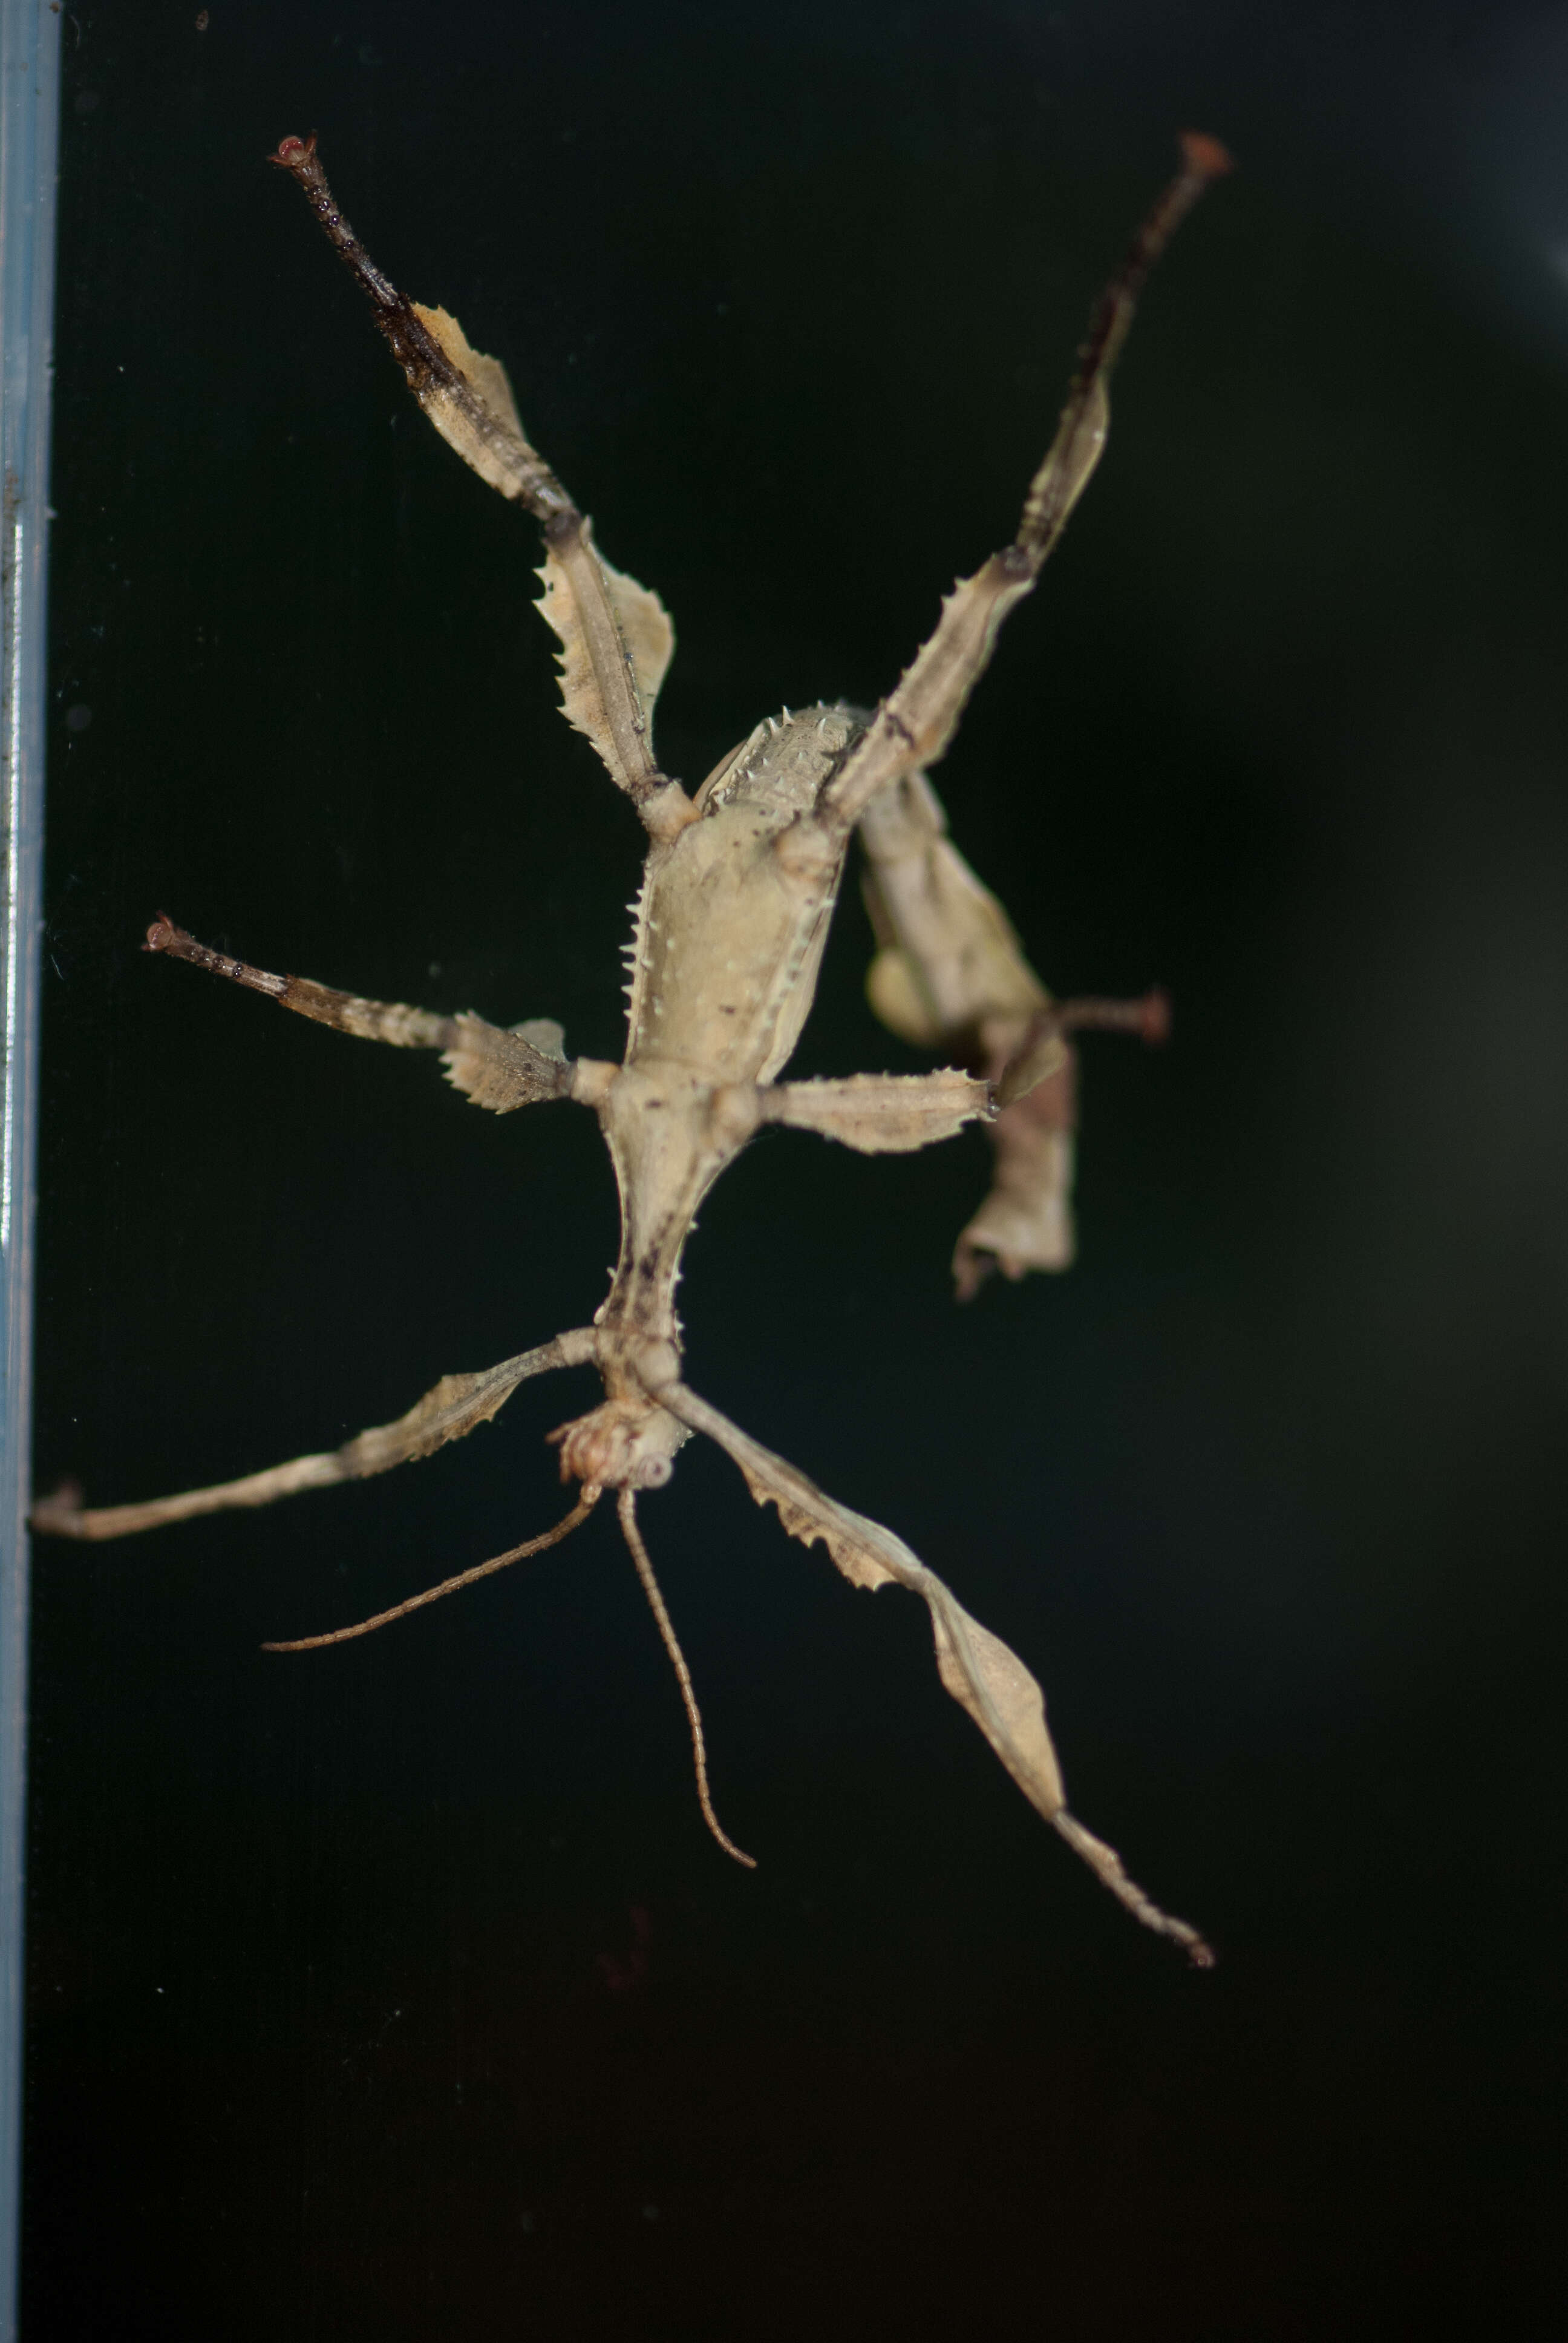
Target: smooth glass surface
(29, 109)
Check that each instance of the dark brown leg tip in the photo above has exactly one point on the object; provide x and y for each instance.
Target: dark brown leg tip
(1155, 1026)
(1205, 154)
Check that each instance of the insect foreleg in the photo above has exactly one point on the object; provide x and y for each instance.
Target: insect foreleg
(616, 636)
(456, 1406)
(915, 723)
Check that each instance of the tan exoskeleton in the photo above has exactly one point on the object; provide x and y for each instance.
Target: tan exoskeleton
(738, 886)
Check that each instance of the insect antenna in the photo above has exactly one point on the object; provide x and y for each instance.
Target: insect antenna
(563, 1529)
(626, 1506)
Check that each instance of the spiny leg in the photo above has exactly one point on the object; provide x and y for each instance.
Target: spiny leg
(948, 959)
(950, 975)
(616, 636)
(949, 972)
(562, 1530)
(626, 1506)
(1025, 1219)
(981, 1673)
(915, 723)
(894, 1114)
(881, 1114)
(494, 1067)
(369, 1021)
(455, 1407)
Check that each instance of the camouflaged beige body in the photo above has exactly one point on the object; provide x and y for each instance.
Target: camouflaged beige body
(727, 938)
(729, 929)
(738, 886)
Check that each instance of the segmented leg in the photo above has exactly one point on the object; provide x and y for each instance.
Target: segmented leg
(914, 725)
(456, 1406)
(950, 975)
(1041, 1051)
(983, 1675)
(616, 638)
(881, 1114)
(492, 1067)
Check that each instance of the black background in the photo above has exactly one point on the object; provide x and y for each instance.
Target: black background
(398, 1991)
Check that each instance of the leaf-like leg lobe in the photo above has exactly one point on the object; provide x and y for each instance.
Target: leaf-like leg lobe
(457, 1405)
(983, 1675)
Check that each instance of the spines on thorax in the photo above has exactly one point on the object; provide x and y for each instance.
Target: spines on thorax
(724, 924)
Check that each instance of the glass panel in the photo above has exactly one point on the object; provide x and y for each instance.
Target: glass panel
(29, 109)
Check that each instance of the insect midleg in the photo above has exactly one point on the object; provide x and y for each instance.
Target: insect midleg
(494, 1067)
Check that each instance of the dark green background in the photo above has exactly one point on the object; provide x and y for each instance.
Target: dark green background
(336, 2026)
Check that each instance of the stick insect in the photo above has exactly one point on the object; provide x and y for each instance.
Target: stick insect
(740, 882)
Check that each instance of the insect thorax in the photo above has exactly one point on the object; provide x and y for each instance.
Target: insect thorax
(728, 934)
(733, 912)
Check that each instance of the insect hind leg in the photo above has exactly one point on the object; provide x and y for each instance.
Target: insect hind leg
(456, 1406)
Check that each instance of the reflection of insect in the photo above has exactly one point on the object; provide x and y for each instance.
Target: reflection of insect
(738, 886)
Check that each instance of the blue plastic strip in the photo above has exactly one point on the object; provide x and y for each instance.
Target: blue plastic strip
(29, 125)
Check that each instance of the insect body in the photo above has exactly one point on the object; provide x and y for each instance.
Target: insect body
(738, 886)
